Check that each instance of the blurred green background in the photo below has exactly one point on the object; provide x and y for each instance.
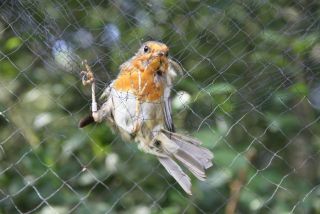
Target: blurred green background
(250, 92)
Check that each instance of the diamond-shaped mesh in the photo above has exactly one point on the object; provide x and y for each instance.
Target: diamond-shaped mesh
(250, 92)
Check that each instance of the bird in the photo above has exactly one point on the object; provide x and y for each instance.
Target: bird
(137, 105)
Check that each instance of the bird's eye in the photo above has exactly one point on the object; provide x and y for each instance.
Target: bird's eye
(167, 54)
(146, 49)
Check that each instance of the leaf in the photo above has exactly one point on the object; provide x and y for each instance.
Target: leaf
(303, 44)
(221, 88)
(267, 56)
(281, 123)
(208, 137)
(275, 38)
(13, 43)
(300, 89)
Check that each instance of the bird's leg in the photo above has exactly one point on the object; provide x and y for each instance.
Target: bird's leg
(88, 78)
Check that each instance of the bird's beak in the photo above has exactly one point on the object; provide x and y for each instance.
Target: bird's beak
(161, 53)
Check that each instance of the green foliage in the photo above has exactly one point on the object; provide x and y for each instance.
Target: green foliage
(12, 43)
(251, 69)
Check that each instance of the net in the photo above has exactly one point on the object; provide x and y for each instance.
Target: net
(249, 92)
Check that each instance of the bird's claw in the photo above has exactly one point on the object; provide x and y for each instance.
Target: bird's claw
(86, 78)
(86, 75)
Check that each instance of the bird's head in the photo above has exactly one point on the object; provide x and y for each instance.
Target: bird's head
(153, 57)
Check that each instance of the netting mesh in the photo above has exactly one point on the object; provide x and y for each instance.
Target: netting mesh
(249, 92)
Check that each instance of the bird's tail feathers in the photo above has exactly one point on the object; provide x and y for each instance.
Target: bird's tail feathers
(191, 149)
(188, 152)
(176, 172)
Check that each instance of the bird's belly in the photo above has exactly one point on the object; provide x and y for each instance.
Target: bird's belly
(148, 118)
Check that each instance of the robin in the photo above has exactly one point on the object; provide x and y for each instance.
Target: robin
(137, 105)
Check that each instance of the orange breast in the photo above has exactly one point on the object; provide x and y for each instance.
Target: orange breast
(129, 82)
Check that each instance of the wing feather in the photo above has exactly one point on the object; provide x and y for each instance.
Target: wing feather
(167, 112)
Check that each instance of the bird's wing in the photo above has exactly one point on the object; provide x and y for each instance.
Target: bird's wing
(174, 68)
(167, 112)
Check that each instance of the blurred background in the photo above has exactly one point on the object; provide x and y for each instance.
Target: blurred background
(250, 92)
